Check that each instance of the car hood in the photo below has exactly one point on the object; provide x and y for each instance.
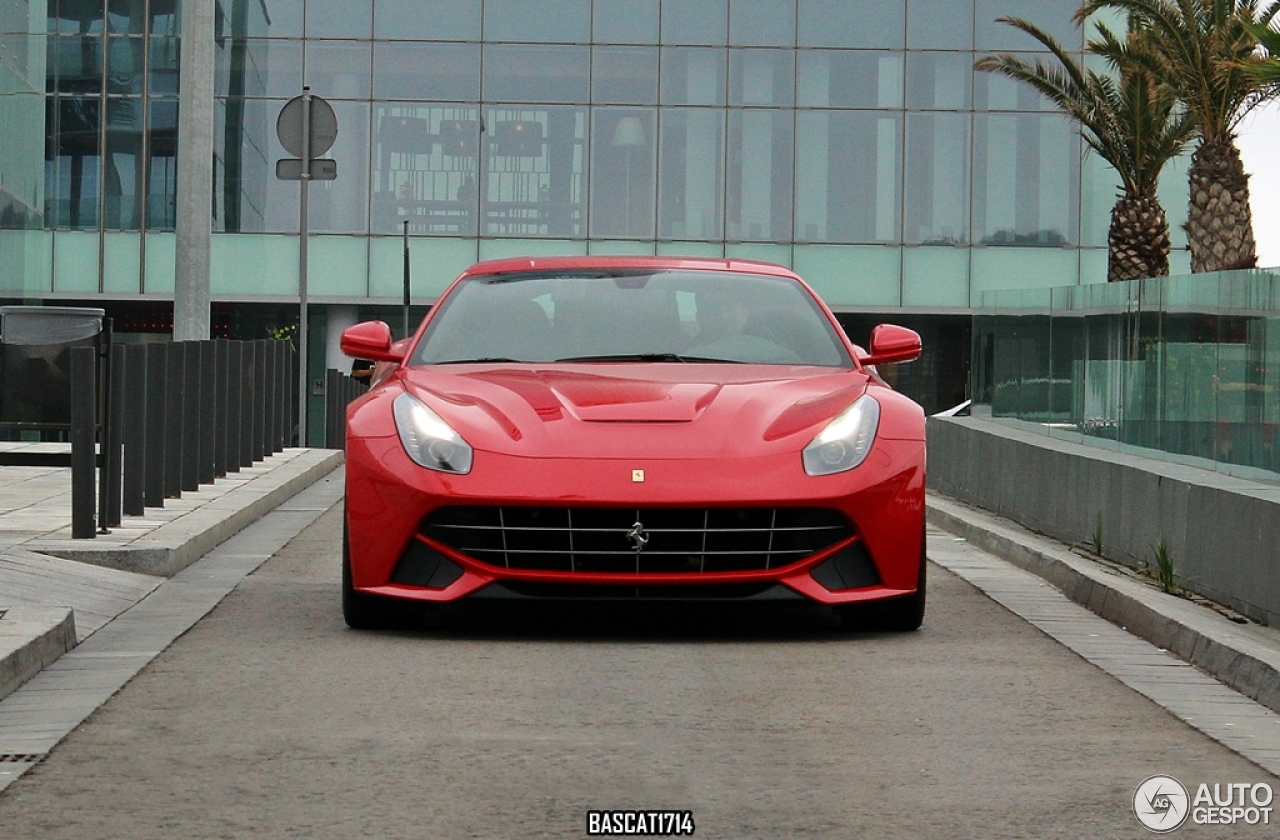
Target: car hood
(636, 410)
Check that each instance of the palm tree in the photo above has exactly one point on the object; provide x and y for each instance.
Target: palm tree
(1266, 69)
(1131, 124)
(1199, 48)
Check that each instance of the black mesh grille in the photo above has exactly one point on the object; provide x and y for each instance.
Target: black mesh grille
(678, 540)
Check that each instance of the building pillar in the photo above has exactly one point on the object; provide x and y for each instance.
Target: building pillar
(194, 222)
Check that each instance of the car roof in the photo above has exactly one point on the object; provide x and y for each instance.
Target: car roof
(512, 264)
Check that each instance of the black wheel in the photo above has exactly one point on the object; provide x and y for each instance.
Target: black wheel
(901, 615)
(368, 612)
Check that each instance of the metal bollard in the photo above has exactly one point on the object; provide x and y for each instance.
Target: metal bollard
(84, 410)
(157, 400)
(235, 386)
(190, 415)
(174, 397)
(113, 437)
(135, 428)
(248, 368)
(259, 398)
(208, 409)
(220, 424)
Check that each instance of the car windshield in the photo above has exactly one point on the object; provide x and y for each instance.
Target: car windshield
(631, 315)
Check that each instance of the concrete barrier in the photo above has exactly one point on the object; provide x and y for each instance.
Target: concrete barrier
(1222, 533)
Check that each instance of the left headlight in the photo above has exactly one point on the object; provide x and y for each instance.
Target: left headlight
(429, 440)
(846, 441)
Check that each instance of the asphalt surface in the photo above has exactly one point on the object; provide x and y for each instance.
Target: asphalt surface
(269, 718)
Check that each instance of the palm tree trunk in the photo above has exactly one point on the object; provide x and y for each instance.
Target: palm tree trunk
(1138, 240)
(1219, 222)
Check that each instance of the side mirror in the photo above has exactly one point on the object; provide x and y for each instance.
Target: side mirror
(891, 343)
(370, 340)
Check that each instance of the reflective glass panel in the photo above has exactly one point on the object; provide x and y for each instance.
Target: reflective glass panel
(162, 165)
(536, 73)
(285, 20)
(125, 63)
(341, 205)
(758, 201)
(940, 24)
(72, 163)
(1053, 16)
(762, 23)
(847, 165)
(939, 80)
(338, 19)
(75, 64)
(1026, 181)
(761, 77)
(250, 20)
(417, 70)
(937, 179)
(623, 152)
(692, 76)
(163, 55)
(124, 174)
(538, 20)
(690, 168)
(624, 75)
(337, 69)
(997, 92)
(424, 168)
(74, 18)
(260, 67)
(869, 24)
(534, 171)
(625, 21)
(427, 20)
(694, 21)
(250, 198)
(849, 79)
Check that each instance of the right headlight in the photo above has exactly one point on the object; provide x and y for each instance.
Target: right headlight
(429, 440)
(846, 441)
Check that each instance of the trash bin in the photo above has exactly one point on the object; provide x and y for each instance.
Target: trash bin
(35, 363)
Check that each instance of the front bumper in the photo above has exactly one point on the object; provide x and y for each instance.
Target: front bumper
(388, 498)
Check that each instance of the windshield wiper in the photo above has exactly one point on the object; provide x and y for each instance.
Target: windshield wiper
(645, 357)
(485, 360)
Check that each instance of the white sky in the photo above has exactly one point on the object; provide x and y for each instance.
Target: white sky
(1259, 144)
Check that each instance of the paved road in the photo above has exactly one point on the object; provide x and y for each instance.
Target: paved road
(271, 719)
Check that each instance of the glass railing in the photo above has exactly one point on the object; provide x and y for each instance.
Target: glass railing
(1188, 367)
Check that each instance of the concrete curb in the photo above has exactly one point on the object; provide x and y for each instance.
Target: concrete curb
(175, 545)
(30, 638)
(1245, 657)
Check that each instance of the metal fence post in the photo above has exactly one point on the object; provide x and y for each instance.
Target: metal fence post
(135, 429)
(247, 390)
(157, 402)
(220, 413)
(172, 421)
(113, 436)
(190, 415)
(84, 410)
(208, 409)
(235, 387)
(260, 384)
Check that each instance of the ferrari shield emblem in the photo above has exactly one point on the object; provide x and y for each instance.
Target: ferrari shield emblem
(637, 475)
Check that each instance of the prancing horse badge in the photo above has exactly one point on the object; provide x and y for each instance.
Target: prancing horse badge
(637, 475)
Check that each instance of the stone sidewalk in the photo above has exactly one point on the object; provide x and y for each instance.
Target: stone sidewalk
(55, 591)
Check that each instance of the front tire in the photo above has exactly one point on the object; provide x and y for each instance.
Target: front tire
(368, 612)
(897, 615)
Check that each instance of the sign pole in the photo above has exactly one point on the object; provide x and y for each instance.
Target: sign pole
(303, 234)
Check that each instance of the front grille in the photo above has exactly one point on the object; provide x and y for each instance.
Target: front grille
(679, 540)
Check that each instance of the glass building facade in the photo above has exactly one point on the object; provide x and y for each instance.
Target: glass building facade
(848, 139)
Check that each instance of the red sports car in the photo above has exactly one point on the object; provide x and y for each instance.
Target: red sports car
(634, 428)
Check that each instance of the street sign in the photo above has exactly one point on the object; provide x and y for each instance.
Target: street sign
(324, 126)
(322, 169)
